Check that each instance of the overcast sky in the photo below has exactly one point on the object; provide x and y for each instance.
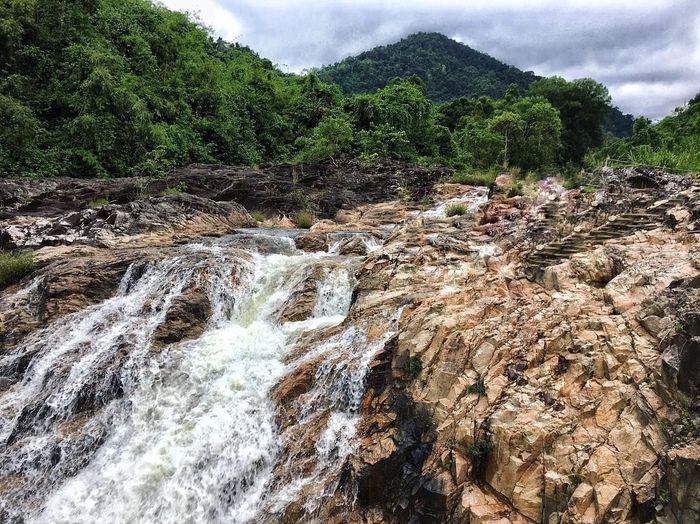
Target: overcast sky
(646, 51)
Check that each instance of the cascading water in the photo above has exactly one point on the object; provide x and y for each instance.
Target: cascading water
(471, 200)
(105, 425)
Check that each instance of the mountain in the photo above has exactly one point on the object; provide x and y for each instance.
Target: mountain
(448, 68)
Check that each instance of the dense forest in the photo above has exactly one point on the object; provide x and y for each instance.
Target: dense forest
(449, 69)
(673, 143)
(106, 88)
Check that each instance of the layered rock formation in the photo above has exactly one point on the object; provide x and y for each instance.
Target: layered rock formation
(537, 358)
(570, 398)
(197, 200)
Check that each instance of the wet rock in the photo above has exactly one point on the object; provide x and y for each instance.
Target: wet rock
(353, 246)
(103, 226)
(683, 484)
(186, 318)
(66, 281)
(301, 304)
(312, 242)
(296, 383)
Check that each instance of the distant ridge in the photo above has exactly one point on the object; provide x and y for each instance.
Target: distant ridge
(449, 69)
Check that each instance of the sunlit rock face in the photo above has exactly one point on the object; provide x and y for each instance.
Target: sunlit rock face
(533, 359)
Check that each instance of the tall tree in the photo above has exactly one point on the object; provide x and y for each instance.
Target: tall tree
(583, 107)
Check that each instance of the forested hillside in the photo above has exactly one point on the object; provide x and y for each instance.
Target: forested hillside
(449, 69)
(673, 143)
(109, 88)
(123, 87)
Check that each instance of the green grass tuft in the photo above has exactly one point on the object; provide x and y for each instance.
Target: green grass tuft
(415, 366)
(98, 202)
(174, 190)
(258, 216)
(304, 220)
(485, 178)
(14, 266)
(514, 189)
(455, 210)
(477, 387)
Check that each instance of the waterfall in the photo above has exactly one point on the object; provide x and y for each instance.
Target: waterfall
(105, 425)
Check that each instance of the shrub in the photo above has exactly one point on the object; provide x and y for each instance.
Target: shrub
(415, 366)
(14, 266)
(175, 190)
(575, 478)
(455, 210)
(98, 202)
(485, 178)
(258, 216)
(663, 498)
(478, 451)
(514, 189)
(477, 387)
(304, 220)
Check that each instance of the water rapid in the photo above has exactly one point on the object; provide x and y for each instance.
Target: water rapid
(106, 424)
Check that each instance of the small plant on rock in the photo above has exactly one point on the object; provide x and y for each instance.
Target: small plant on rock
(304, 220)
(477, 387)
(478, 452)
(174, 190)
(98, 202)
(405, 192)
(649, 381)
(14, 266)
(258, 216)
(455, 210)
(513, 190)
(415, 366)
(575, 478)
(663, 498)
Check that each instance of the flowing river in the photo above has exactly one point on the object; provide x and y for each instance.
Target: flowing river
(107, 426)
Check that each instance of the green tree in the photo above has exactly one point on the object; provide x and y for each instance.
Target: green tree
(583, 107)
(479, 146)
(332, 137)
(510, 127)
(385, 141)
(542, 136)
(644, 133)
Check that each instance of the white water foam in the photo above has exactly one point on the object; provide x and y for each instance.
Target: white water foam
(190, 435)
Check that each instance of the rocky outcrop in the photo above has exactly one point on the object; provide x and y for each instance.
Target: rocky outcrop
(682, 487)
(193, 201)
(492, 394)
(109, 224)
(569, 399)
(66, 281)
(301, 304)
(186, 318)
(329, 186)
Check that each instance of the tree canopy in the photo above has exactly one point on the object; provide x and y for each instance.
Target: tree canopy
(103, 88)
(449, 69)
(673, 143)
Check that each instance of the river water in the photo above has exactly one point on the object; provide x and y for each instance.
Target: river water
(106, 427)
(103, 423)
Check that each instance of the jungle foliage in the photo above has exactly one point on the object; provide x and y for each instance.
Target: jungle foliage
(672, 144)
(109, 88)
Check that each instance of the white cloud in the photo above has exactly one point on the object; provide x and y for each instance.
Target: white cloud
(212, 13)
(646, 51)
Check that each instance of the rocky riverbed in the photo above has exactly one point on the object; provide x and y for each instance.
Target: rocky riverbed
(533, 360)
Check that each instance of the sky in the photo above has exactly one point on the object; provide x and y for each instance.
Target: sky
(646, 51)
